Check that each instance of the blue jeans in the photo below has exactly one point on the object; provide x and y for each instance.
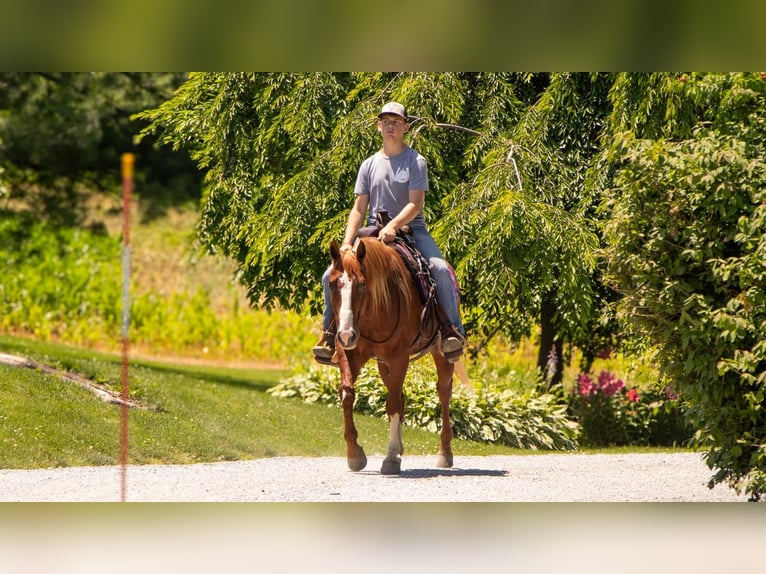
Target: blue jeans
(439, 271)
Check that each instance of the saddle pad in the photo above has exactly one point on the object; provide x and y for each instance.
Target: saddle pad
(418, 267)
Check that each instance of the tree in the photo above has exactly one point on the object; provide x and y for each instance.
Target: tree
(687, 250)
(534, 261)
(61, 131)
(282, 151)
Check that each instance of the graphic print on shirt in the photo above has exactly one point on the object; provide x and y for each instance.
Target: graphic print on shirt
(402, 175)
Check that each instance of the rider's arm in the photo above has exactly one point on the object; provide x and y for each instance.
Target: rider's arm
(415, 206)
(355, 219)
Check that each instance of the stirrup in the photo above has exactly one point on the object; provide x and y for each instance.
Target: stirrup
(325, 356)
(324, 351)
(452, 346)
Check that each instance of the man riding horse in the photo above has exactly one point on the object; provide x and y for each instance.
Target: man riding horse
(395, 180)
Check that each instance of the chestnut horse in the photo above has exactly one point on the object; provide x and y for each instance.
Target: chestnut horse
(378, 312)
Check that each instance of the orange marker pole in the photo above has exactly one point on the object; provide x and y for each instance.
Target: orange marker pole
(128, 160)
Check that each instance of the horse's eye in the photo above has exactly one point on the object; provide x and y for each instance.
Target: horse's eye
(362, 285)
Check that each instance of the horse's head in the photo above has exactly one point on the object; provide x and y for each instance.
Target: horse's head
(347, 288)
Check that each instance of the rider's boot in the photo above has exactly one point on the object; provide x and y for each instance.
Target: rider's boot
(324, 350)
(452, 344)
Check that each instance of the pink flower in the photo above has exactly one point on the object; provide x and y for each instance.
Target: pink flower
(633, 395)
(609, 384)
(585, 385)
(669, 394)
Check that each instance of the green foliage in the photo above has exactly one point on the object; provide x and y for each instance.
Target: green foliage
(60, 132)
(269, 183)
(524, 230)
(65, 282)
(180, 322)
(523, 420)
(687, 250)
(66, 285)
(282, 153)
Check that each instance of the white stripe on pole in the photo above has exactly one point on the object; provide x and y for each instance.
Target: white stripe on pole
(125, 291)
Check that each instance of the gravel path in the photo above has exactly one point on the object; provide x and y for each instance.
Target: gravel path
(653, 477)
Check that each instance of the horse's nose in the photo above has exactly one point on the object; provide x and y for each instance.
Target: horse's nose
(348, 338)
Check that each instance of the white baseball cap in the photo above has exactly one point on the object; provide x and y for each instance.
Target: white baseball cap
(393, 108)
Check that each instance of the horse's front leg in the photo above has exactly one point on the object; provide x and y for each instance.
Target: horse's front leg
(393, 373)
(349, 370)
(445, 370)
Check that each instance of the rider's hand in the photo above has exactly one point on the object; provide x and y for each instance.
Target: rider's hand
(388, 233)
(345, 247)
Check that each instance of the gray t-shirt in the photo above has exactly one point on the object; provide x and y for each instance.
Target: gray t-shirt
(388, 181)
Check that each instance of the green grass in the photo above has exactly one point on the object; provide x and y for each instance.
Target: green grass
(199, 414)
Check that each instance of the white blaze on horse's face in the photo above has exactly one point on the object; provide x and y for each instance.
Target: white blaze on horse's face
(347, 333)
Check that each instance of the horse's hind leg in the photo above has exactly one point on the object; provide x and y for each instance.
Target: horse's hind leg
(446, 370)
(393, 374)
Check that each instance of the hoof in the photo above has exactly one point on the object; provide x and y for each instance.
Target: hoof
(391, 467)
(358, 462)
(444, 461)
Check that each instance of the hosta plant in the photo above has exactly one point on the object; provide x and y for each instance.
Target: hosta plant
(483, 413)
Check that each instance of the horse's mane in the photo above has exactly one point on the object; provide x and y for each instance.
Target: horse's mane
(384, 271)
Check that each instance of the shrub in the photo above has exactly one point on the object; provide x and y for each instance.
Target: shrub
(687, 249)
(612, 414)
(487, 413)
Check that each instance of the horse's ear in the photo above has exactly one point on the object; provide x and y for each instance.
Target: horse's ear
(361, 250)
(334, 250)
